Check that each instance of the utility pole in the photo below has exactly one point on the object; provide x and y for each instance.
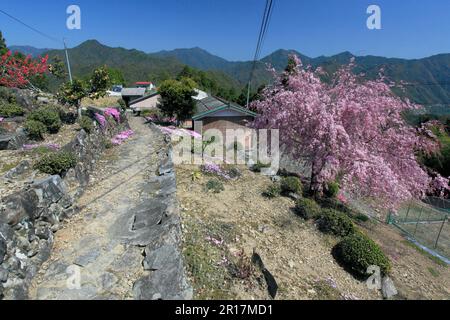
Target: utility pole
(248, 93)
(68, 62)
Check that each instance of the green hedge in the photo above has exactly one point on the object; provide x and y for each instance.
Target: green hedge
(49, 116)
(8, 110)
(56, 163)
(357, 252)
(35, 129)
(307, 208)
(335, 222)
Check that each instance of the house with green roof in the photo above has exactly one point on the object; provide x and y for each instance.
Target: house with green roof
(216, 113)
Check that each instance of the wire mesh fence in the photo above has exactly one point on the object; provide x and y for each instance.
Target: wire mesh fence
(426, 222)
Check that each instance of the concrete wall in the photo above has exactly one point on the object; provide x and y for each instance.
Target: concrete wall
(224, 123)
(147, 104)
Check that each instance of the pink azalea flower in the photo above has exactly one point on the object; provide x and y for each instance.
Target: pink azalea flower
(113, 113)
(101, 120)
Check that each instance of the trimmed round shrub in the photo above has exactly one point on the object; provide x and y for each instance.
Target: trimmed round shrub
(357, 252)
(332, 189)
(35, 129)
(307, 208)
(335, 222)
(56, 163)
(86, 124)
(48, 116)
(9, 110)
(291, 185)
(273, 191)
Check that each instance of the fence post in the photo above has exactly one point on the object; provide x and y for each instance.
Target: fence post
(407, 212)
(442, 227)
(418, 219)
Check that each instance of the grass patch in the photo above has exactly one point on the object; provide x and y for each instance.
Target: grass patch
(425, 253)
(8, 166)
(210, 280)
(434, 272)
(325, 291)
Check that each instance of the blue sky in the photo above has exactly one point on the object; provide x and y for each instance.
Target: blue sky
(229, 28)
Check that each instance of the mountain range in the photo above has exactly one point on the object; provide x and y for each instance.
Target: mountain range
(428, 79)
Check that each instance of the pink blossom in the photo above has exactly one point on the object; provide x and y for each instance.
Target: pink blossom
(217, 242)
(113, 113)
(101, 120)
(1, 119)
(348, 128)
(215, 169)
(173, 131)
(121, 137)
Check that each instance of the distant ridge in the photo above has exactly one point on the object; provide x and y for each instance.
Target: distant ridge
(428, 78)
(29, 50)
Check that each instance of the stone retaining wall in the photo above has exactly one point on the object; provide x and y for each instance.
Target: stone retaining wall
(29, 217)
(159, 216)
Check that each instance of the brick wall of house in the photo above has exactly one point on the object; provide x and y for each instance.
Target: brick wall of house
(224, 123)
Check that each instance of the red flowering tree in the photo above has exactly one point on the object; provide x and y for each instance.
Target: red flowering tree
(16, 71)
(348, 130)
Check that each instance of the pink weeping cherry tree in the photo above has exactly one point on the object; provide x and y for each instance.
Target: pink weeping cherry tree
(349, 130)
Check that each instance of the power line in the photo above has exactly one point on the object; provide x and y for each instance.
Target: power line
(262, 33)
(30, 27)
(44, 35)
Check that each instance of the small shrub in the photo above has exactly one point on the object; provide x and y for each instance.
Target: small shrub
(307, 208)
(335, 222)
(56, 163)
(108, 144)
(335, 204)
(332, 189)
(357, 252)
(148, 112)
(291, 185)
(35, 129)
(232, 171)
(361, 217)
(87, 124)
(273, 191)
(9, 110)
(258, 166)
(215, 186)
(48, 116)
(7, 95)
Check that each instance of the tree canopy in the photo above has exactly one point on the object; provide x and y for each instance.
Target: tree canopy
(351, 131)
(176, 98)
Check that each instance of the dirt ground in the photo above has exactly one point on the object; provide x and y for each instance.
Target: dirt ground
(216, 226)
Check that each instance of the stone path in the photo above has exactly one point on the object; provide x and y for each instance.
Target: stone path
(124, 243)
